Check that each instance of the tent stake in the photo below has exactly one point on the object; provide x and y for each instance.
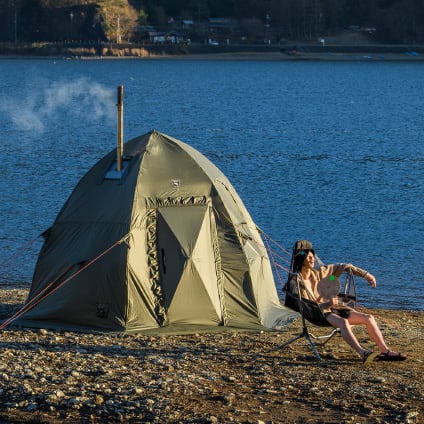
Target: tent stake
(120, 128)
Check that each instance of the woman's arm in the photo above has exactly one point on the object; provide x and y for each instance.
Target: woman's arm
(339, 269)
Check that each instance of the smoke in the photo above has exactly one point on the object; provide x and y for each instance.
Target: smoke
(80, 99)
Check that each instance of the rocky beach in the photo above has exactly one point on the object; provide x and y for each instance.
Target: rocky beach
(51, 376)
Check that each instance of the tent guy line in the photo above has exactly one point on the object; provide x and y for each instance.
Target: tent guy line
(19, 251)
(47, 292)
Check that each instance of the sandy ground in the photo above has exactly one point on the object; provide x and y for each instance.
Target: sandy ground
(245, 377)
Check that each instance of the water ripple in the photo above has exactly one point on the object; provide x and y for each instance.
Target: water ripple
(326, 151)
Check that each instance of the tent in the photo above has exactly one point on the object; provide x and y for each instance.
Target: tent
(189, 255)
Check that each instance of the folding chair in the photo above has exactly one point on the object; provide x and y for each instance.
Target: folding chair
(311, 311)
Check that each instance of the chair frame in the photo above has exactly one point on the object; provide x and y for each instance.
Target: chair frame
(347, 298)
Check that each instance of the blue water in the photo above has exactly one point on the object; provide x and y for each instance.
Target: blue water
(332, 152)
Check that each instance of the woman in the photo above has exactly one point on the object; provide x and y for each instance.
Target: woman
(338, 316)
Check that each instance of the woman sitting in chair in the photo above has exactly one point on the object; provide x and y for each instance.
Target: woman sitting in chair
(338, 316)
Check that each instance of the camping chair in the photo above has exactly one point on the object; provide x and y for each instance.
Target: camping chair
(311, 312)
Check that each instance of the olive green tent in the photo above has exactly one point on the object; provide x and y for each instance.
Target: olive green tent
(188, 254)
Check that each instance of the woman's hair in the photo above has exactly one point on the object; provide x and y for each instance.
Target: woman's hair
(300, 250)
(299, 258)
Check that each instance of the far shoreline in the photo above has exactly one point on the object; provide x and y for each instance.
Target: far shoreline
(280, 52)
(267, 57)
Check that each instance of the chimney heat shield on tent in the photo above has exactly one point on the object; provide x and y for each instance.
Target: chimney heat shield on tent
(113, 173)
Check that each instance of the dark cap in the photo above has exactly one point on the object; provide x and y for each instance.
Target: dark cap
(303, 245)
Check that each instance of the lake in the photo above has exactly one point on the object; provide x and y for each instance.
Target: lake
(328, 151)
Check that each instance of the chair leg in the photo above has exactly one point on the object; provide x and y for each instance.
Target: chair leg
(314, 349)
(326, 338)
(306, 335)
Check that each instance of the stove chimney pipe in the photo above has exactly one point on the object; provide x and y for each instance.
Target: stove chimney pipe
(120, 149)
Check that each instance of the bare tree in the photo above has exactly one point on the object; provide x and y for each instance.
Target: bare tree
(120, 20)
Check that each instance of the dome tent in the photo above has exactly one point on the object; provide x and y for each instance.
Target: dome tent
(192, 257)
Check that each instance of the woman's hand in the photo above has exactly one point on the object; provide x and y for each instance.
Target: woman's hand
(334, 301)
(371, 279)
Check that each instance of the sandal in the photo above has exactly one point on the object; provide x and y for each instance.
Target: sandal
(369, 356)
(389, 355)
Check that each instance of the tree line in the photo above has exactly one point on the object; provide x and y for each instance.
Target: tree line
(386, 21)
(395, 21)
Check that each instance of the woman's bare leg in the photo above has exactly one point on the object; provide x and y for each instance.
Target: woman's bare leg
(359, 318)
(346, 332)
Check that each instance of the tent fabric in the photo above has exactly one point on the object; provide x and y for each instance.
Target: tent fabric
(192, 258)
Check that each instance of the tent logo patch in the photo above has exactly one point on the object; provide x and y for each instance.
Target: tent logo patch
(102, 310)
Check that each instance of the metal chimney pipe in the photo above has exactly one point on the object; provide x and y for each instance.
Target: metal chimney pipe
(120, 149)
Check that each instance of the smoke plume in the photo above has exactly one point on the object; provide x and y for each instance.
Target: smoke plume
(80, 99)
